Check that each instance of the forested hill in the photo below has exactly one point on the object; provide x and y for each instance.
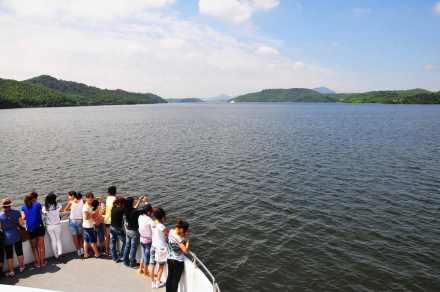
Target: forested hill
(93, 95)
(16, 94)
(413, 96)
(285, 95)
(46, 91)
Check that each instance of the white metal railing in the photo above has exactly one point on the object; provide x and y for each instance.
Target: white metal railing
(197, 278)
(198, 263)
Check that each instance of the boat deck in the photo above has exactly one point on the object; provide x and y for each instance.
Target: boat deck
(72, 274)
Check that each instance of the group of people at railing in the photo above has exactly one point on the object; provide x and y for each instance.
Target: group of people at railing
(114, 226)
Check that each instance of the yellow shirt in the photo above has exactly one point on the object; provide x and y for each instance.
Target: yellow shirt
(108, 209)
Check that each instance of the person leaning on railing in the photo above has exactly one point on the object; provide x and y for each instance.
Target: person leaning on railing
(178, 245)
(108, 216)
(75, 205)
(51, 211)
(11, 222)
(31, 211)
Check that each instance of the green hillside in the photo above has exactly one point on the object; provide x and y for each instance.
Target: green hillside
(15, 94)
(89, 95)
(412, 96)
(285, 95)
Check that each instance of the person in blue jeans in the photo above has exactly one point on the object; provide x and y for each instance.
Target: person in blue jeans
(132, 214)
(145, 233)
(117, 233)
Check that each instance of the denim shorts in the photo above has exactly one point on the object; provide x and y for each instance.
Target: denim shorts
(75, 227)
(100, 233)
(89, 235)
(146, 247)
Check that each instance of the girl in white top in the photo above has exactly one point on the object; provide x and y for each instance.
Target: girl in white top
(75, 206)
(145, 232)
(51, 211)
(158, 248)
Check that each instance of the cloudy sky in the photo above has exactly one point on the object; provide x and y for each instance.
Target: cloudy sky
(197, 48)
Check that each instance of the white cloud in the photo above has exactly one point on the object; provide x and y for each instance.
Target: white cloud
(146, 51)
(85, 9)
(437, 8)
(266, 50)
(299, 65)
(235, 11)
(265, 4)
(361, 11)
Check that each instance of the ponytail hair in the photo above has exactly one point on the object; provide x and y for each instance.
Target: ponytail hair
(28, 200)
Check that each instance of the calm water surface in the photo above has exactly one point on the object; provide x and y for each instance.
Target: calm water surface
(291, 197)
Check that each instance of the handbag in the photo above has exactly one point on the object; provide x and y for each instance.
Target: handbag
(24, 235)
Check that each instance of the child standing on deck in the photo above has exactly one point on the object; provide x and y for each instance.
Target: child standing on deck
(178, 245)
(75, 205)
(108, 216)
(89, 226)
(98, 219)
(158, 248)
(51, 211)
(145, 231)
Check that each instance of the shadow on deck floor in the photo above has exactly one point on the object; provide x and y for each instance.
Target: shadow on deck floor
(72, 274)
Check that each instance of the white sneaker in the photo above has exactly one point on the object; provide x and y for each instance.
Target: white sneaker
(81, 251)
(78, 252)
(161, 284)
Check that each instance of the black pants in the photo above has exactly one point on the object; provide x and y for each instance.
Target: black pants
(2, 253)
(175, 270)
(18, 250)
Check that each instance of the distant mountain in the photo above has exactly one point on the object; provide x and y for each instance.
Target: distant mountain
(83, 94)
(412, 96)
(285, 95)
(184, 100)
(218, 98)
(324, 90)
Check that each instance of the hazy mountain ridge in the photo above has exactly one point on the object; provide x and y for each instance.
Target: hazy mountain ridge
(218, 98)
(184, 100)
(324, 90)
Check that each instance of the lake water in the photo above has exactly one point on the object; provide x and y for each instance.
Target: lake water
(280, 197)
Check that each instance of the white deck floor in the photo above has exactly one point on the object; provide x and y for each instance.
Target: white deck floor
(74, 274)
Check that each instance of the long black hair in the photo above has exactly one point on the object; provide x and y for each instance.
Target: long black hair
(129, 202)
(50, 201)
(159, 214)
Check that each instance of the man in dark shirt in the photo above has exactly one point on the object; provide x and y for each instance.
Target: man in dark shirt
(116, 229)
(132, 213)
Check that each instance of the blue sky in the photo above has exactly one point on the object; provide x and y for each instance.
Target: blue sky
(185, 48)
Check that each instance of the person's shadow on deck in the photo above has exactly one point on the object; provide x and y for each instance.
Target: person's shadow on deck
(51, 267)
